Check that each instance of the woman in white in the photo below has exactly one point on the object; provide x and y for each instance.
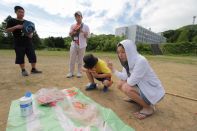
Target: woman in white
(137, 79)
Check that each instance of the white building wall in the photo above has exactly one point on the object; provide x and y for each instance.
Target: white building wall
(132, 33)
(140, 35)
(122, 31)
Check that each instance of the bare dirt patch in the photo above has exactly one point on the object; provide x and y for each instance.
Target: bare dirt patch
(173, 113)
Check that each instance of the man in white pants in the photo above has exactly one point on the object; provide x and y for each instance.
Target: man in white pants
(79, 33)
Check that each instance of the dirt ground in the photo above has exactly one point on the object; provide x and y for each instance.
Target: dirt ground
(173, 113)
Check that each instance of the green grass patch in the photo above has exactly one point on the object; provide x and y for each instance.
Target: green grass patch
(176, 59)
(112, 55)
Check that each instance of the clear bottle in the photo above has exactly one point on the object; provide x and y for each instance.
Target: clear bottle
(26, 106)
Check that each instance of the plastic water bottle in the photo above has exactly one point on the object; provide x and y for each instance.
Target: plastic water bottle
(26, 104)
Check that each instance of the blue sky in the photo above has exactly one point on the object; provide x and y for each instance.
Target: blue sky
(54, 17)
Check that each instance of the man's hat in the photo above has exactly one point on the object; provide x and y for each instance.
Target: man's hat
(90, 61)
(78, 13)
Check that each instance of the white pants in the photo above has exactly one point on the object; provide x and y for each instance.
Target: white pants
(76, 54)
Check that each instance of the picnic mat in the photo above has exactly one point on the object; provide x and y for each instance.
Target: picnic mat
(76, 112)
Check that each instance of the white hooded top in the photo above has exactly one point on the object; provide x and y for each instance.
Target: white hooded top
(141, 74)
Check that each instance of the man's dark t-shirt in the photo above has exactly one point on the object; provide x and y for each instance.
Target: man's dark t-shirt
(20, 39)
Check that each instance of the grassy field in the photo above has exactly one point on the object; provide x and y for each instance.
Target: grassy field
(172, 58)
(177, 73)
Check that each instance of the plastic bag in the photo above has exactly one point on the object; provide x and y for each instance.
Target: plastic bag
(83, 112)
(49, 96)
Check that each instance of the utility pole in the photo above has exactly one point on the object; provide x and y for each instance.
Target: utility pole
(194, 17)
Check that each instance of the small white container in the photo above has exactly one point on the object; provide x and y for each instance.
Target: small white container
(26, 106)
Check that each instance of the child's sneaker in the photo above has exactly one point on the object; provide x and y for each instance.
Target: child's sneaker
(105, 89)
(92, 86)
(88, 85)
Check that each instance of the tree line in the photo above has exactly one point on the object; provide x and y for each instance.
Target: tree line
(95, 42)
(180, 41)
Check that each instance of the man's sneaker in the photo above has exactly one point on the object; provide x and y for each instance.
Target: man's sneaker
(92, 86)
(79, 75)
(69, 75)
(35, 71)
(105, 89)
(24, 73)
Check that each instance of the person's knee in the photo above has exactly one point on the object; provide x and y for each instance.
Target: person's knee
(130, 92)
(120, 84)
(107, 83)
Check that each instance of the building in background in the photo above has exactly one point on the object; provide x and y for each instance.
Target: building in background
(140, 35)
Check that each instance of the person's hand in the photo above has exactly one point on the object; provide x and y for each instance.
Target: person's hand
(18, 26)
(94, 74)
(30, 35)
(74, 30)
(84, 69)
(110, 65)
(76, 27)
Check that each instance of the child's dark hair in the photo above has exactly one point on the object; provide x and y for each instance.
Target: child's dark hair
(119, 45)
(16, 8)
(90, 61)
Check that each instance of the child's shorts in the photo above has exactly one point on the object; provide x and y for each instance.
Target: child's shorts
(103, 79)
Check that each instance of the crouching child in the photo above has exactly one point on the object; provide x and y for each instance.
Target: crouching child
(96, 68)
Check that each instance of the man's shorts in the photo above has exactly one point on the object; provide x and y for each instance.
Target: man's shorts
(22, 51)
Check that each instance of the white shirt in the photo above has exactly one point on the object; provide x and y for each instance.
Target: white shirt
(141, 74)
(82, 39)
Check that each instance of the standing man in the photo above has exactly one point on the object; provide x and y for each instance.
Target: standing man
(79, 33)
(22, 41)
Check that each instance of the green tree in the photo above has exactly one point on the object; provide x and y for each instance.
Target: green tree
(49, 42)
(37, 41)
(183, 37)
(54, 42)
(194, 39)
(6, 39)
(59, 42)
(183, 34)
(67, 42)
(103, 42)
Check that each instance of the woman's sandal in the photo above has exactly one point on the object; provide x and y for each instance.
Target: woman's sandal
(141, 115)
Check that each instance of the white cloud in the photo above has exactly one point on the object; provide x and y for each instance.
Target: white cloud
(47, 28)
(65, 9)
(61, 7)
(163, 15)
